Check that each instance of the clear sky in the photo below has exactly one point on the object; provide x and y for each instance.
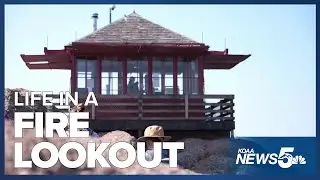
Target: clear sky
(275, 89)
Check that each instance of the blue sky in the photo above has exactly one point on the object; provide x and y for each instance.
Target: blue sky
(275, 89)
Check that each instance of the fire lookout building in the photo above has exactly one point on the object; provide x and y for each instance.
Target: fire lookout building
(144, 74)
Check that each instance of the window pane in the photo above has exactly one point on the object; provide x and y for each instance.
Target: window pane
(92, 68)
(156, 76)
(137, 73)
(182, 76)
(168, 73)
(111, 82)
(81, 68)
(92, 75)
(188, 76)
(81, 88)
(194, 77)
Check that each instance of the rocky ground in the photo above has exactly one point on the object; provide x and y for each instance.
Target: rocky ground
(198, 157)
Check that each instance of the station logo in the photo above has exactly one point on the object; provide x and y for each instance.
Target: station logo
(284, 158)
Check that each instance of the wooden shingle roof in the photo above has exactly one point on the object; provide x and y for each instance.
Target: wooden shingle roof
(136, 30)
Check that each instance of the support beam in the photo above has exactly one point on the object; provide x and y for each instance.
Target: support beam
(200, 76)
(150, 83)
(125, 72)
(175, 75)
(163, 73)
(74, 73)
(99, 74)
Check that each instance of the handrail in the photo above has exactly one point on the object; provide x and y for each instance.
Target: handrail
(209, 107)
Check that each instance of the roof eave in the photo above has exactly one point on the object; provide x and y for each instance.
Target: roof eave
(223, 61)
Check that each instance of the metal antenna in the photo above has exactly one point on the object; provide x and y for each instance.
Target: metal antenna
(110, 13)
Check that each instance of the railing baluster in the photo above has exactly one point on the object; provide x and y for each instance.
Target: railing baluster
(140, 107)
(93, 111)
(186, 101)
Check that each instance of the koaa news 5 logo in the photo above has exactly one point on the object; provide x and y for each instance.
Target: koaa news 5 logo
(284, 159)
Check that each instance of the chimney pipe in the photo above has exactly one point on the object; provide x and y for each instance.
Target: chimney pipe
(95, 18)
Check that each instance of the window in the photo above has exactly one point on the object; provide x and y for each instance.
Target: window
(87, 75)
(193, 85)
(168, 76)
(111, 74)
(92, 76)
(81, 75)
(187, 76)
(181, 77)
(137, 77)
(157, 69)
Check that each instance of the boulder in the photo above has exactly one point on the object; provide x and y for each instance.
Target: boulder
(29, 141)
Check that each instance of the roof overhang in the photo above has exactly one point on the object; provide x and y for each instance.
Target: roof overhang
(52, 59)
(222, 60)
(134, 49)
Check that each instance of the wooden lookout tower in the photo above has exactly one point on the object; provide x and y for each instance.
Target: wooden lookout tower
(144, 74)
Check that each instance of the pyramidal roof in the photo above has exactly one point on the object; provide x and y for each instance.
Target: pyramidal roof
(135, 29)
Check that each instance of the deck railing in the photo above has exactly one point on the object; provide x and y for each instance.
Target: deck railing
(183, 107)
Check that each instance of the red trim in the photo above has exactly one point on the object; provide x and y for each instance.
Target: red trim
(125, 73)
(200, 76)
(222, 61)
(137, 50)
(99, 70)
(63, 66)
(188, 75)
(141, 44)
(85, 75)
(225, 52)
(63, 58)
(175, 76)
(150, 83)
(74, 72)
(55, 52)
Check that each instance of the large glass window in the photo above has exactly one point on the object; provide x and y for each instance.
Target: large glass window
(193, 77)
(157, 71)
(187, 76)
(168, 76)
(87, 75)
(81, 76)
(111, 74)
(137, 77)
(162, 77)
(181, 77)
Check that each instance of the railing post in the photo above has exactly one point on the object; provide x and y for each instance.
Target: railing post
(93, 111)
(221, 108)
(232, 134)
(232, 107)
(186, 106)
(140, 108)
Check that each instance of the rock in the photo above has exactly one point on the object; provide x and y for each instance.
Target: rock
(207, 156)
(29, 141)
(118, 136)
(214, 164)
